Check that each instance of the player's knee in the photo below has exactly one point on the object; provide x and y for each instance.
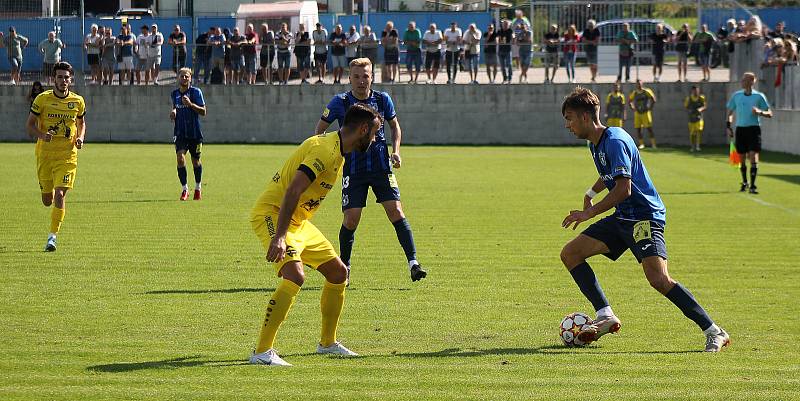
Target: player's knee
(351, 220)
(661, 283)
(569, 256)
(337, 274)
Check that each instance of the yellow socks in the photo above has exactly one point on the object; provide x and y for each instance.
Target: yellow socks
(279, 305)
(56, 218)
(330, 305)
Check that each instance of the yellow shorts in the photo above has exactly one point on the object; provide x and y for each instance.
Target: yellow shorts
(642, 120)
(697, 127)
(55, 173)
(304, 243)
(614, 122)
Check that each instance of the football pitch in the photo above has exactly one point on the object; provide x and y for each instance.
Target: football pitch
(151, 298)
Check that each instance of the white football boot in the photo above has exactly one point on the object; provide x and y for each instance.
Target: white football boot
(335, 349)
(269, 358)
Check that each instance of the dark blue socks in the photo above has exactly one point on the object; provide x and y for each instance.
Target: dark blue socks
(346, 239)
(406, 238)
(182, 175)
(198, 173)
(590, 287)
(685, 301)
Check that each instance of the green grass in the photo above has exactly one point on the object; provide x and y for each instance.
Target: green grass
(151, 298)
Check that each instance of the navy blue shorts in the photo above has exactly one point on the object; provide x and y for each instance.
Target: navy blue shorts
(644, 238)
(194, 146)
(355, 187)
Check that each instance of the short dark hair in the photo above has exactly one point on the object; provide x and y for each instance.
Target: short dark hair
(358, 114)
(582, 100)
(64, 66)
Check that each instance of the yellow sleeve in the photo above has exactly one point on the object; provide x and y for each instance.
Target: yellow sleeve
(608, 98)
(316, 161)
(650, 92)
(631, 96)
(38, 104)
(703, 99)
(686, 102)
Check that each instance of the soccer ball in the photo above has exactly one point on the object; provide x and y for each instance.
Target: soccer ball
(571, 325)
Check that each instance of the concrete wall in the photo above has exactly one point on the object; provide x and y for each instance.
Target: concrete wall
(781, 133)
(428, 114)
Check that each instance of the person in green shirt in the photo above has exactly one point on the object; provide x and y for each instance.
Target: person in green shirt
(626, 39)
(412, 39)
(704, 40)
(14, 43)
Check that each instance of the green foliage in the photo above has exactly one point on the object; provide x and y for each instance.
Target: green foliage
(151, 298)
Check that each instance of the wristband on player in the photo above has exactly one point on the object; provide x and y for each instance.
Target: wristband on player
(590, 193)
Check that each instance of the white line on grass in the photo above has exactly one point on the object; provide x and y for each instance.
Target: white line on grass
(765, 203)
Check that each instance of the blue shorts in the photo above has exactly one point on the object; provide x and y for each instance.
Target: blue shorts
(250, 63)
(355, 187)
(644, 238)
(303, 61)
(284, 59)
(194, 146)
(237, 63)
(414, 57)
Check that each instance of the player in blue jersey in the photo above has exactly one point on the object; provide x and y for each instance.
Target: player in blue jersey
(370, 169)
(187, 107)
(748, 105)
(637, 224)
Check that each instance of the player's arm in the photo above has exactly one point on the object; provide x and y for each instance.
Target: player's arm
(729, 122)
(197, 108)
(300, 182)
(80, 122)
(34, 132)
(397, 136)
(620, 192)
(595, 189)
(764, 110)
(322, 125)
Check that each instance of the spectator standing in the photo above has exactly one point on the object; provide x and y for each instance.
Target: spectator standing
(472, 50)
(125, 42)
(177, 39)
(14, 43)
(369, 47)
(695, 104)
(267, 53)
(748, 106)
(320, 37)
(490, 52)
(725, 36)
(390, 40)
(642, 100)
(551, 41)
(505, 37)
(590, 39)
(154, 52)
(227, 56)
(682, 41)
(626, 39)
(412, 38)
(51, 52)
(302, 50)
(520, 21)
(570, 49)
(659, 39)
(351, 51)
(237, 56)
(705, 41)
(524, 40)
(616, 112)
(433, 52)
(143, 44)
(338, 42)
(453, 38)
(217, 43)
(283, 39)
(778, 32)
(91, 44)
(108, 56)
(202, 55)
(249, 53)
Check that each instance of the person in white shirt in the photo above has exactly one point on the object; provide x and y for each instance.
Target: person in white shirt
(453, 40)
(320, 37)
(143, 52)
(351, 51)
(92, 47)
(154, 53)
(432, 39)
(369, 46)
(472, 50)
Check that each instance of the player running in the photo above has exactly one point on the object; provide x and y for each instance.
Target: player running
(637, 224)
(615, 107)
(373, 168)
(642, 101)
(187, 107)
(281, 217)
(695, 103)
(56, 121)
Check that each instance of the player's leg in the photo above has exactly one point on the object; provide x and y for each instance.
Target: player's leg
(639, 130)
(180, 153)
(354, 198)
(742, 141)
(280, 303)
(753, 157)
(195, 150)
(652, 134)
(387, 193)
(331, 305)
(655, 269)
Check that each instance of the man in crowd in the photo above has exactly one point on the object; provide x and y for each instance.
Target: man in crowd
(91, 45)
(551, 41)
(453, 38)
(51, 54)
(320, 37)
(267, 53)
(590, 39)
(433, 52)
(412, 38)
(338, 41)
(177, 39)
(14, 43)
(626, 39)
(154, 52)
(249, 53)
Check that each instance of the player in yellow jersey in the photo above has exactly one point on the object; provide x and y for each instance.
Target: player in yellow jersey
(281, 217)
(56, 122)
(695, 103)
(642, 101)
(615, 107)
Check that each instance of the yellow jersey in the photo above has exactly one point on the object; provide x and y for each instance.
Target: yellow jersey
(59, 115)
(641, 99)
(321, 158)
(693, 104)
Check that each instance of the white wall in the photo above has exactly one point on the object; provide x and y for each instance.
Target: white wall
(782, 132)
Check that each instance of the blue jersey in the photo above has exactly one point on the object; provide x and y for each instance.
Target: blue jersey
(742, 104)
(616, 155)
(187, 121)
(376, 159)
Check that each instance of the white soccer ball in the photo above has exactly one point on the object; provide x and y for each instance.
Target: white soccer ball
(571, 325)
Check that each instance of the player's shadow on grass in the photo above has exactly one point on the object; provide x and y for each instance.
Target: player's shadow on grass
(543, 350)
(125, 201)
(174, 363)
(265, 290)
(791, 179)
